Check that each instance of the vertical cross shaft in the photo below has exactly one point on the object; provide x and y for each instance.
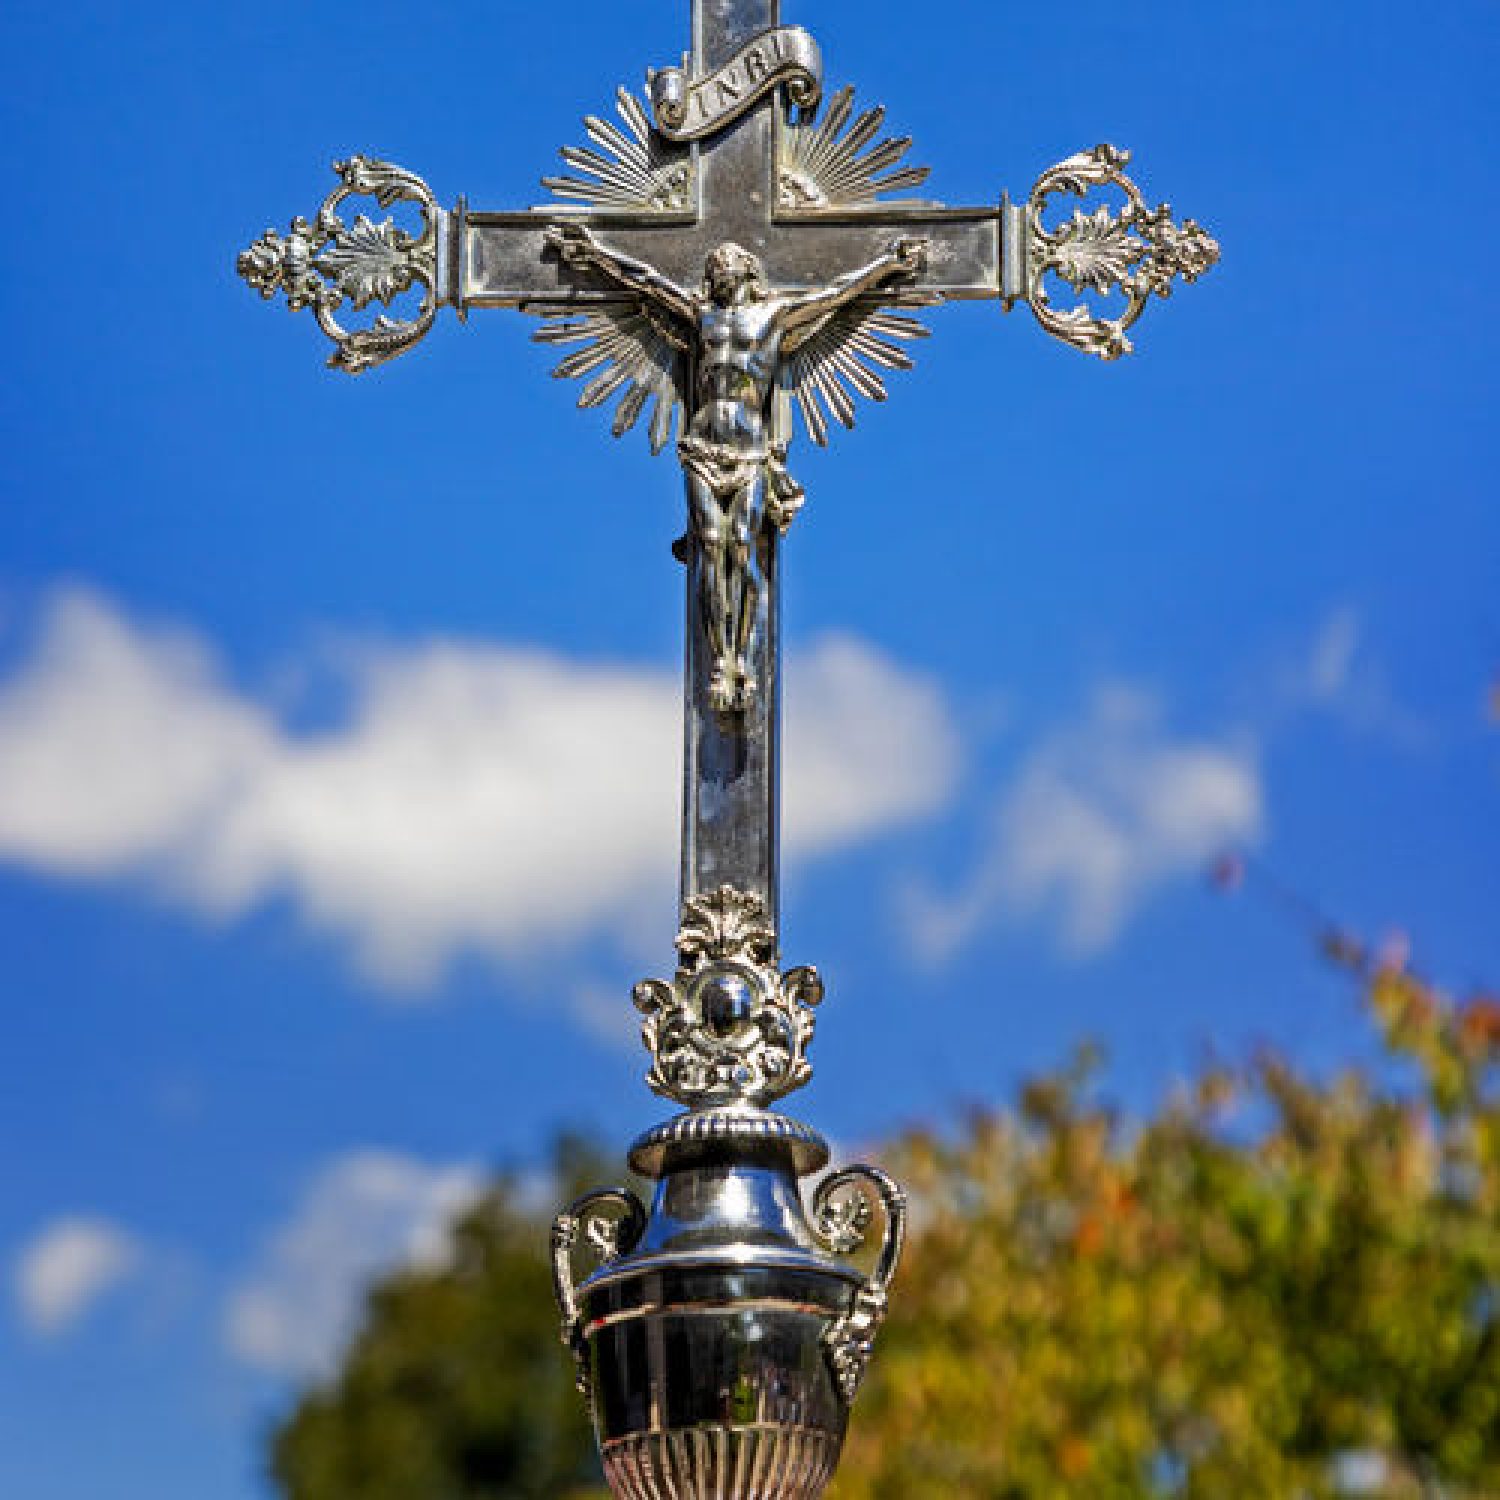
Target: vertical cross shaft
(732, 765)
(721, 27)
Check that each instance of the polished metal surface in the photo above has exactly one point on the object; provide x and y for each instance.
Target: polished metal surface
(731, 1126)
(731, 256)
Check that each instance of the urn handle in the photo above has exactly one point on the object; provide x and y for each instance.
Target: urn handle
(842, 1210)
(608, 1236)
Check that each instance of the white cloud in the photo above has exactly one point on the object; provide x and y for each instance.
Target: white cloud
(475, 798)
(869, 746)
(1099, 818)
(1337, 673)
(118, 746)
(68, 1269)
(1330, 664)
(363, 1215)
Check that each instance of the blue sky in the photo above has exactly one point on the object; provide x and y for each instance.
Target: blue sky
(305, 921)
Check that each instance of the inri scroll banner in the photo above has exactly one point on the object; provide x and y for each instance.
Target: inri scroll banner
(688, 109)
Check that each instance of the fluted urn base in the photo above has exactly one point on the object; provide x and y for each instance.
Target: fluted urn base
(722, 1341)
(766, 1463)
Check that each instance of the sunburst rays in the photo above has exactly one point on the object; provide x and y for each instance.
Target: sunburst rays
(634, 170)
(625, 352)
(846, 359)
(831, 163)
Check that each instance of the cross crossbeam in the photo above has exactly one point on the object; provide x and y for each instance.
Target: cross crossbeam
(499, 260)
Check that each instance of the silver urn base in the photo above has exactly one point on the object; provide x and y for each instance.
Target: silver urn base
(724, 1336)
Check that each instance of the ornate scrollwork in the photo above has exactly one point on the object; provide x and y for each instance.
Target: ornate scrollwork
(729, 1029)
(324, 264)
(692, 108)
(842, 1213)
(608, 1239)
(1140, 251)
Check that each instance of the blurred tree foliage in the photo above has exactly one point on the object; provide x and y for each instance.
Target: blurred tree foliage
(1279, 1287)
(457, 1388)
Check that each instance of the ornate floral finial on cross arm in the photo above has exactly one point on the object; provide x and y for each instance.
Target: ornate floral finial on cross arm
(324, 264)
(1139, 251)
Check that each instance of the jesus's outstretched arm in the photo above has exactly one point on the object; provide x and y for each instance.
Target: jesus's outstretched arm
(905, 260)
(579, 248)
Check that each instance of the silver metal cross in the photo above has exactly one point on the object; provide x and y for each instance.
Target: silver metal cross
(736, 252)
(730, 257)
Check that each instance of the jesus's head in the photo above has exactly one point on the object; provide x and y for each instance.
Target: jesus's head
(732, 274)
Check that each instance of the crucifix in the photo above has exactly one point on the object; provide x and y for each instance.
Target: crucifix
(737, 254)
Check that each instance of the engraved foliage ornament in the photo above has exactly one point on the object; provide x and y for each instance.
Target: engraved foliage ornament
(842, 1214)
(324, 264)
(729, 1029)
(1139, 251)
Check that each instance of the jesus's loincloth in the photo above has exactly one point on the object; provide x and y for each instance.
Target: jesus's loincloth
(726, 472)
